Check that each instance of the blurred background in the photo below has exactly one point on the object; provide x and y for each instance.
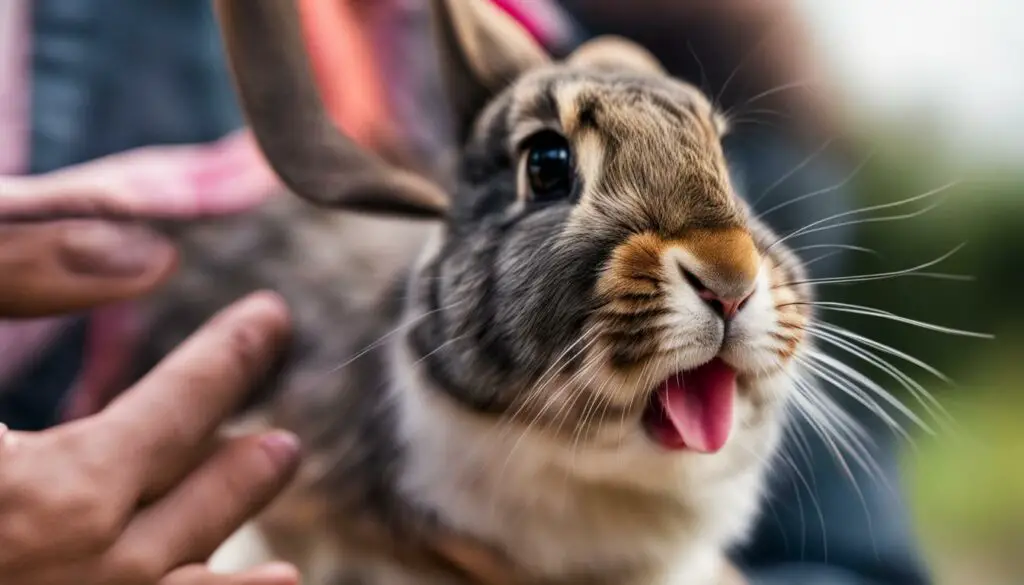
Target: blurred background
(937, 87)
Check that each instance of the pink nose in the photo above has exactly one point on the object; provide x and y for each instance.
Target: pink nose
(724, 306)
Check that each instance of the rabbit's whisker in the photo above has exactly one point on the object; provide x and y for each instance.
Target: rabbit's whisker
(913, 270)
(842, 183)
(847, 247)
(840, 433)
(818, 225)
(848, 342)
(549, 399)
(777, 89)
(796, 169)
(538, 393)
(383, 338)
(846, 380)
(800, 444)
(879, 313)
(755, 49)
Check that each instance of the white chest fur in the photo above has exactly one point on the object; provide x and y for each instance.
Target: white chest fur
(561, 508)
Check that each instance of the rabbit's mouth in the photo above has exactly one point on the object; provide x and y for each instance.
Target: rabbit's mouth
(693, 410)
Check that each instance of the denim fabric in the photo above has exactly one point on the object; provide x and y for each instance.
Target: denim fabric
(109, 76)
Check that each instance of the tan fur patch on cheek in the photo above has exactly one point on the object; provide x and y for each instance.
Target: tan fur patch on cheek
(634, 267)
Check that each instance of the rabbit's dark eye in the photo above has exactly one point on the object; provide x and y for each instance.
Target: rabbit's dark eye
(549, 167)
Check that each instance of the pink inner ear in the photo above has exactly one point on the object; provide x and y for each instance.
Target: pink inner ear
(342, 58)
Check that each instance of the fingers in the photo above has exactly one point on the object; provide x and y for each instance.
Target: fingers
(271, 574)
(176, 408)
(215, 500)
(67, 266)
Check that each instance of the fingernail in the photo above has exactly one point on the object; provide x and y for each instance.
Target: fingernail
(102, 249)
(281, 571)
(282, 446)
(8, 440)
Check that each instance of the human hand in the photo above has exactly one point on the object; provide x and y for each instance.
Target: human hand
(143, 492)
(64, 266)
(55, 259)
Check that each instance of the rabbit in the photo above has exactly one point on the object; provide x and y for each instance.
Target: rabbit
(572, 356)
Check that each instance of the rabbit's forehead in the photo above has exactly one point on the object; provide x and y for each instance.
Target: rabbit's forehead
(621, 106)
(639, 140)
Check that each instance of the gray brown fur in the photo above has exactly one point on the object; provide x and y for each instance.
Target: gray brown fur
(463, 319)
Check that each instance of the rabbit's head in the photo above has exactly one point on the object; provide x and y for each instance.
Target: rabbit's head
(596, 276)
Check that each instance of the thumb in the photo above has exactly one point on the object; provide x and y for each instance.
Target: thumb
(65, 266)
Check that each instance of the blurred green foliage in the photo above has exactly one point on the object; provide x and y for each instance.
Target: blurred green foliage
(966, 485)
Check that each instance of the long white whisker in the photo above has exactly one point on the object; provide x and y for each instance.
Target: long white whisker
(878, 207)
(779, 88)
(935, 410)
(380, 341)
(883, 347)
(819, 421)
(876, 275)
(845, 181)
(853, 447)
(872, 312)
(845, 378)
(835, 246)
(863, 221)
(810, 158)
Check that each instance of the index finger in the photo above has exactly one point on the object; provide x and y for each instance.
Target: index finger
(176, 408)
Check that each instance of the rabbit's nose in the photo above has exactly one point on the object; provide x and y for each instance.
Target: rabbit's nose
(726, 306)
(722, 267)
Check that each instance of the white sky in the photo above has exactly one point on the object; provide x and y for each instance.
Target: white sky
(963, 59)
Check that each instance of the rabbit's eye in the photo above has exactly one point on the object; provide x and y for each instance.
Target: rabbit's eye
(549, 167)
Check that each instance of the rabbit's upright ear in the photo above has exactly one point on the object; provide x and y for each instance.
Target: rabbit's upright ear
(282, 104)
(482, 50)
(615, 52)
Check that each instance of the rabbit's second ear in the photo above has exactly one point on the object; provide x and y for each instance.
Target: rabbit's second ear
(482, 49)
(614, 52)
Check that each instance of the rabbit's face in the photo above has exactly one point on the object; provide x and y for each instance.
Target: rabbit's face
(599, 275)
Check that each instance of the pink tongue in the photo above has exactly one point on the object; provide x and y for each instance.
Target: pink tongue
(699, 405)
